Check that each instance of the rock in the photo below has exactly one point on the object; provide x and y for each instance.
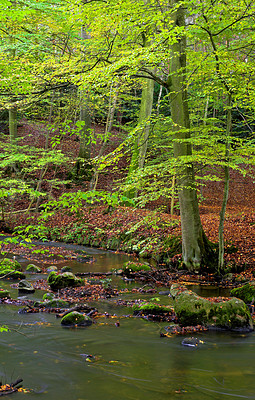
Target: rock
(192, 342)
(245, 292)
(76, 318)
(66, 269)
(12, 274)
(33, 269)
(67, 279)
(48, 296)
(10, 269)
(228, 314)
(51, 268)
(25, 287)
(4, 293)
(8, 263)
(130, 267)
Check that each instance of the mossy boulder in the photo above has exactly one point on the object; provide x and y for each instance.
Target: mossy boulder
(66, 269)
(11, 264)
(150, 308)
(67, 279)
(4, 294)
(25, 287)
(130, 267)
(76, 318)
(31, 268)
(48, 296)
(12, 274)
(52, 268)
(218, 313)
(245, 292)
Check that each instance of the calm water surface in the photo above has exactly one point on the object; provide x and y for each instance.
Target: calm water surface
(132, 361)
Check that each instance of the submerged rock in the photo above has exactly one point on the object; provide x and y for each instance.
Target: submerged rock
(245, 292)
(25, 287)
(67, 279)
(76, 318)
(192, 342)
(218, 313)
(33, 269)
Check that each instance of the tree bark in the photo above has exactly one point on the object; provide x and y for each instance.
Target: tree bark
(226, 189)
(195, 246)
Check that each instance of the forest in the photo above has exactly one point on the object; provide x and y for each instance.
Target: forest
(127, 172)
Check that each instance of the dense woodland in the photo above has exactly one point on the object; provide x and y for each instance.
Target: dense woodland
(129, 125)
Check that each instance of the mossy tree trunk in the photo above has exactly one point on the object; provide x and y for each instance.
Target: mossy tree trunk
(196, 249)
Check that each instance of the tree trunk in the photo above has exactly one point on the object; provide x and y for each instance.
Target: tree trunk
(141, 141)
(226, 189)
(195, 246)
(13, 124)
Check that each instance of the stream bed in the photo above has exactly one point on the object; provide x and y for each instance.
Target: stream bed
(130, 361)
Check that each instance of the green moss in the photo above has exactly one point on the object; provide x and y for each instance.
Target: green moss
(12, 274)
(130, 267)
(48, 296)
(67, 279)
(246, 292)
(76, 318)
(231, 314)
(7, 263)
(151, 308)
(33, 268)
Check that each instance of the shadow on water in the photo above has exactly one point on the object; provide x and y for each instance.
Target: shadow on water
(130, 362)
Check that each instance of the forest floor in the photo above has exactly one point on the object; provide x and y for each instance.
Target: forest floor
(150, 225)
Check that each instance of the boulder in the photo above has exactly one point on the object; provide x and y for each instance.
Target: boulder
(7, 263)
(11, 274)
(67, 279)
(33, 269)
(52, 268)
(76, 318)
(218, 313)
(25, 287)
(66, 269)
(130, 267)
(245, 292)
(48, 296)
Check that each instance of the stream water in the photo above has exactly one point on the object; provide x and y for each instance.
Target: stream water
(132, 361)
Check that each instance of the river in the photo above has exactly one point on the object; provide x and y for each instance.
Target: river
(131, 362)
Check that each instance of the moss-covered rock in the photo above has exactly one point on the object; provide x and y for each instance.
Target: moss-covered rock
(130, 267)
(245, 292)
(31, 268)
(12, 274)
(8, 263)
(150, 308)
(67, 279)
(52, 268)
(76, 318)
(48, 296)
(4, 293)
(25, 287)
(229, 314)
(66, 269)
